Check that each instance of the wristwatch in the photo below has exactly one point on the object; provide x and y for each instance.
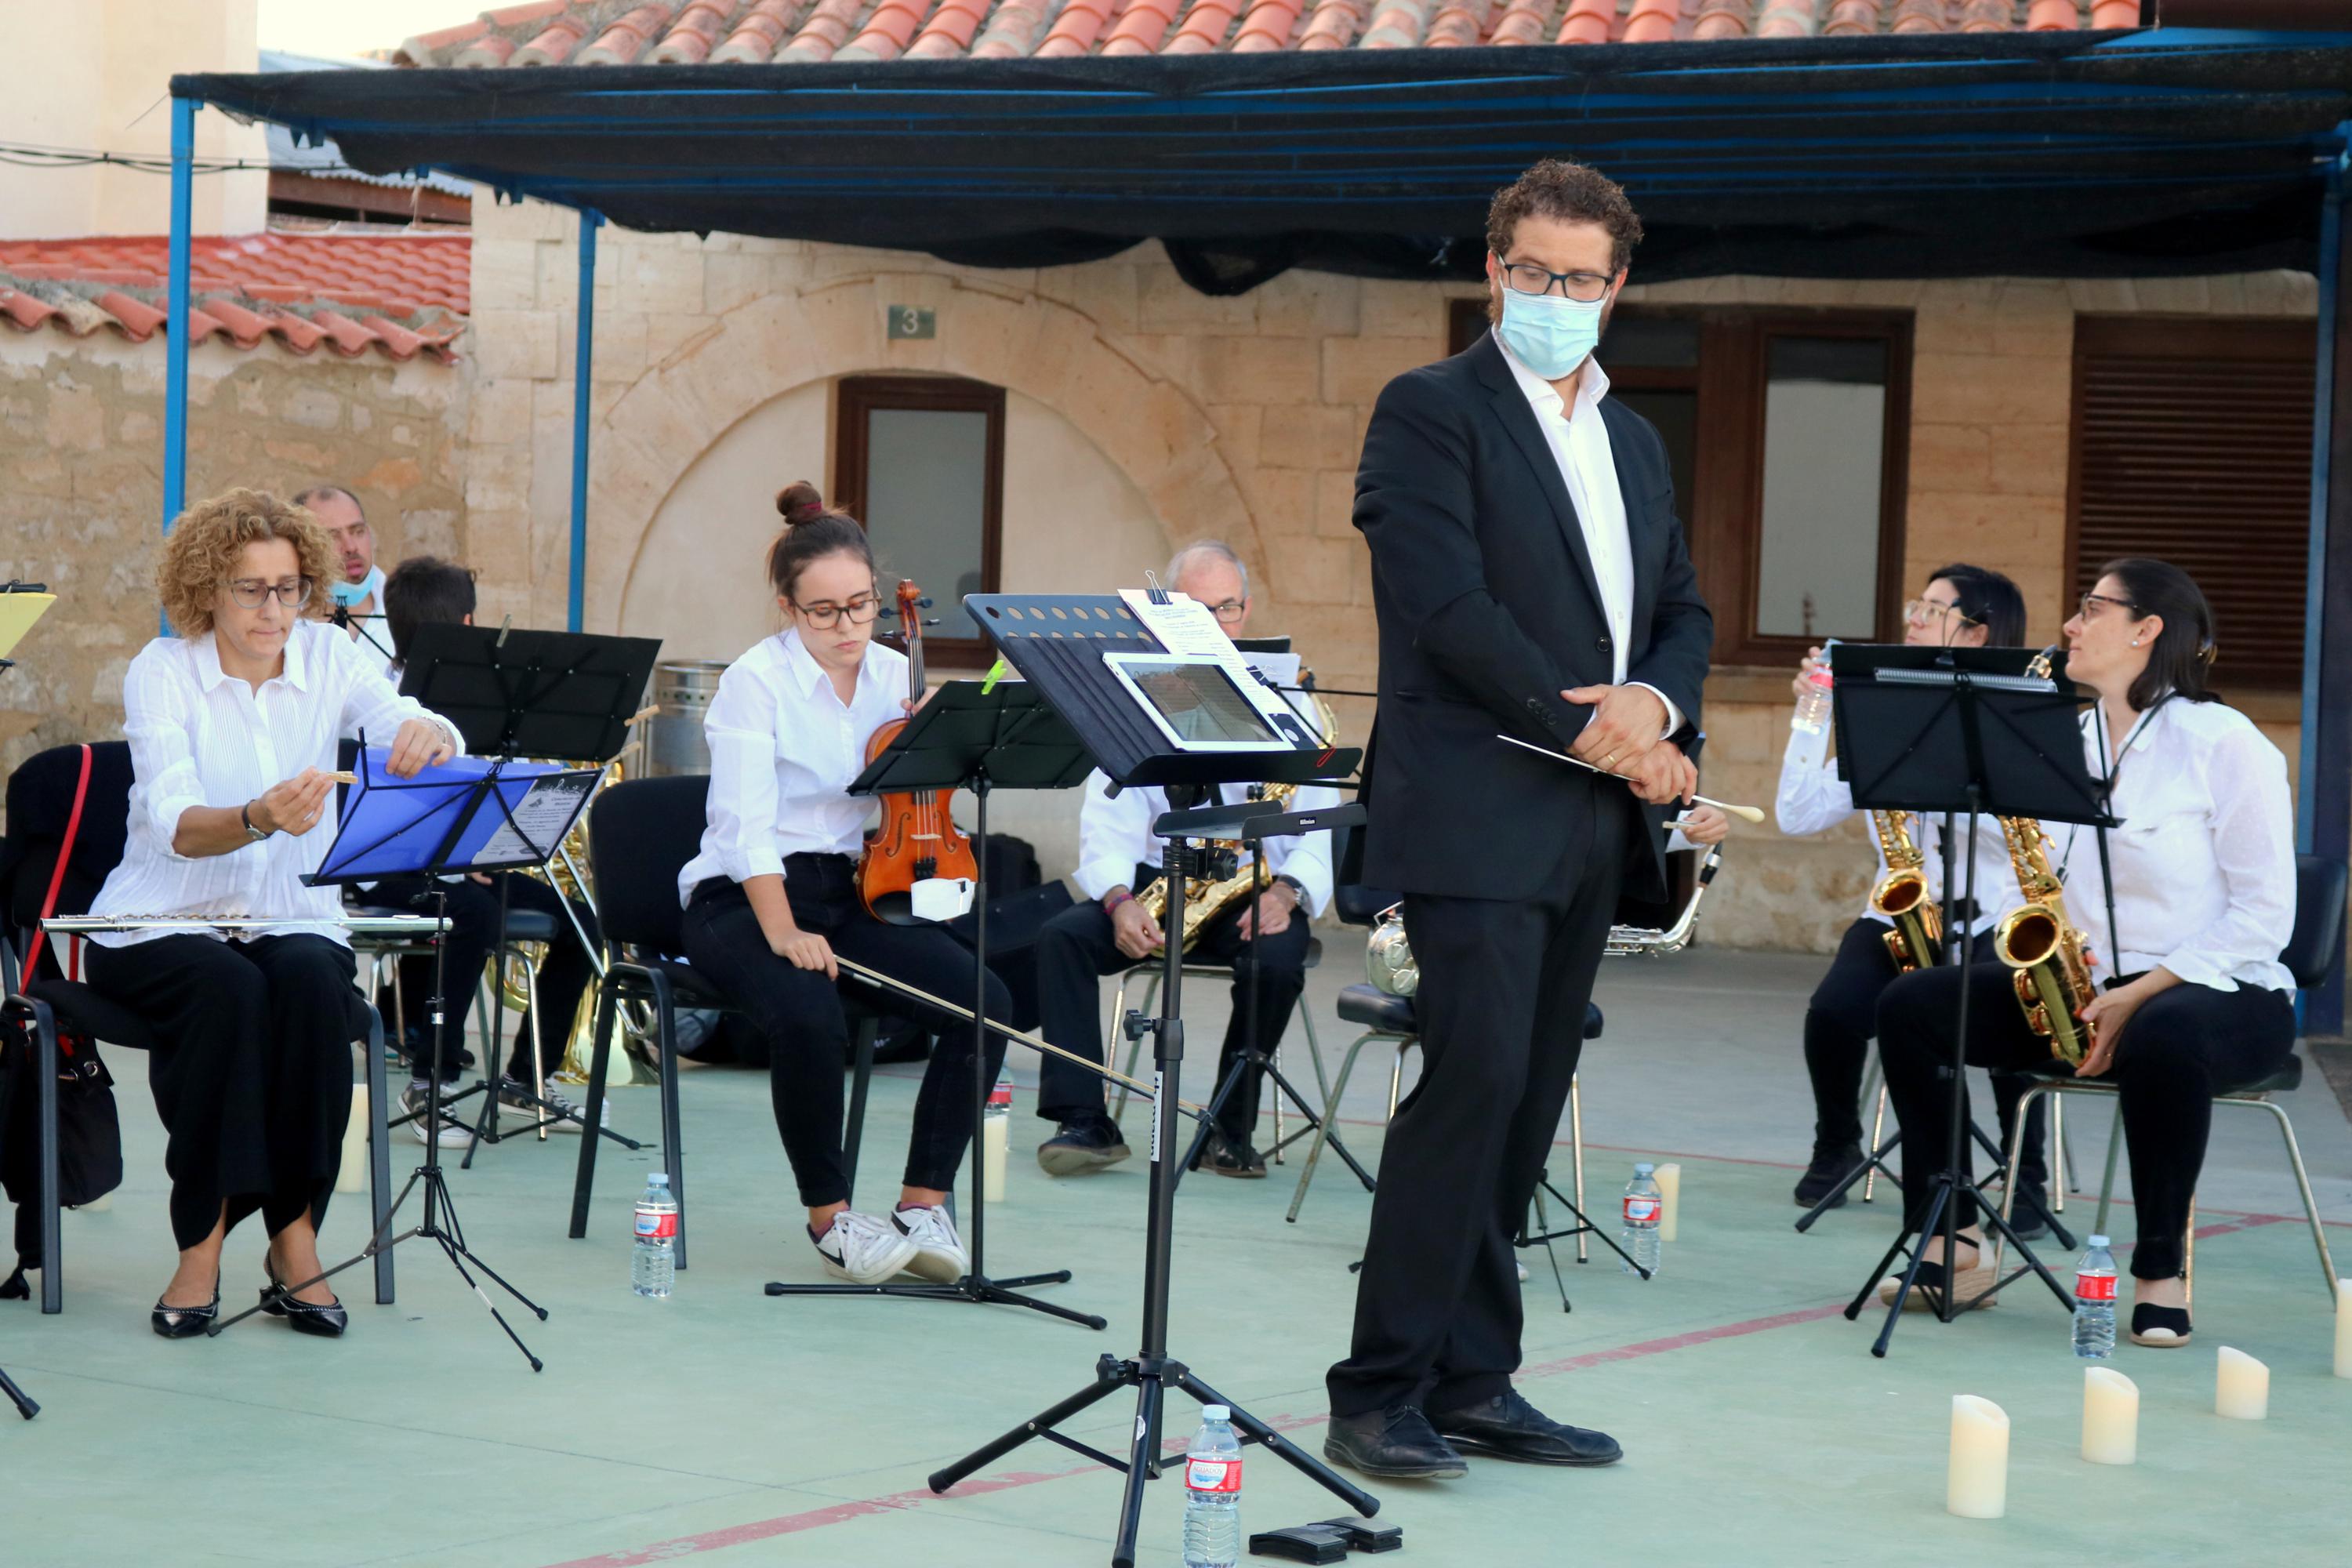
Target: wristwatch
(244, 815)
(1297, 889)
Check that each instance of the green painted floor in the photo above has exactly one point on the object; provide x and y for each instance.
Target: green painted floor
(722, 1427)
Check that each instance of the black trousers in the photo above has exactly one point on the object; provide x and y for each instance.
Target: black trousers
(1503, 986)
(1078, 947)
(2180, 1049)
(798, 1013)
(563, 979)
(251, 1069)
(1839, 1023)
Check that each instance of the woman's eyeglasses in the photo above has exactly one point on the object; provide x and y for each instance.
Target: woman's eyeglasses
(248, 593)
(825, 617)
(1924, 611)
(2088, 609)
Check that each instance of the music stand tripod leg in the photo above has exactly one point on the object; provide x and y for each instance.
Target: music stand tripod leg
(24, 1403)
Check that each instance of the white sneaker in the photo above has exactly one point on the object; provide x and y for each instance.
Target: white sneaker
(939, 1253)
(413, 1102)
(863, 1251)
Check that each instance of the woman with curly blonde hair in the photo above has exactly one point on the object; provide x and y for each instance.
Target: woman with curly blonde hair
(233, 726)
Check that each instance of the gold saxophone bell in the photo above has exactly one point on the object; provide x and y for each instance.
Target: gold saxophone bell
(1916, 941)
(2036, 940)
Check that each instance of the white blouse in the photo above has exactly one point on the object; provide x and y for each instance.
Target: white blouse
(785, 748)
(2204, 862)
(1813, 799)
(1115, 836)
(200, 736)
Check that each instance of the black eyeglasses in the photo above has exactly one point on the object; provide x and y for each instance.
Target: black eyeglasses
(1229, 611)
(250, 592)
(1527, 278)
(825, 617)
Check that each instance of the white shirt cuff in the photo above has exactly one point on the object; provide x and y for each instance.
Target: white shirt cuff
(1674, 715)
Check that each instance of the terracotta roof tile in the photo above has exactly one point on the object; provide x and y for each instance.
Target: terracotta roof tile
(758, 31)
(398, 294)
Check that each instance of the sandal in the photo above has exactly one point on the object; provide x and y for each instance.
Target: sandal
(2159, 1328)
(1927, 1291)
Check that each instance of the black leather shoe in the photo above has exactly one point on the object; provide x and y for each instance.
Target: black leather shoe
(1831, 1162)
(1397, 1443)
(304, 1318)
(1087, 1143)
(1507, 1427)
(1227, 1158)
(185, 1322)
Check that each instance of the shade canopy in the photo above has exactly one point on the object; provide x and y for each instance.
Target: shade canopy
(2038, 153)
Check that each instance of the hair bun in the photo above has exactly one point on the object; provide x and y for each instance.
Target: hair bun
(799, 503)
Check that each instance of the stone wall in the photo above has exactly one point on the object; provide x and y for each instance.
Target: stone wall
(1239, 419)
(81, 443)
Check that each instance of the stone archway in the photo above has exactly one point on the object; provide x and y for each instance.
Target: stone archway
(765, 349)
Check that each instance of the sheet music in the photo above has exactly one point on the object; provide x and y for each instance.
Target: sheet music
(543, 817)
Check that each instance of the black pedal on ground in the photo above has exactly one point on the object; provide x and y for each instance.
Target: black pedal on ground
(1301, 1543)
(1363, 1536)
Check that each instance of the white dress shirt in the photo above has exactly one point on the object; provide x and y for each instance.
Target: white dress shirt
(2204, 862)
(1578, 439)
(200, 736)
(785, 748)
(1114, 835)
(1813, 799)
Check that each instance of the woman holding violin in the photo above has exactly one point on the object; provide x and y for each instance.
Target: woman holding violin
(772, 899)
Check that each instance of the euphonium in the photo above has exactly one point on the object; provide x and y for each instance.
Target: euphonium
(1206, 898)
(1387, 957)
(2037, 940)
(1918, 939)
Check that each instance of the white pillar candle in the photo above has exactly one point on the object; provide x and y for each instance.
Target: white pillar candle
(994, 1132)
(1670, 1192)
(2110, 1417)
(2344, 1327)
(1977, 1484)
(351, 1175)
(2241, 1387)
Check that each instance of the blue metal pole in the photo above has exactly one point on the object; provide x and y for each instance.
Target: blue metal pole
(175, 329)
(2323, 804)
(2323, 400)
(581, 356)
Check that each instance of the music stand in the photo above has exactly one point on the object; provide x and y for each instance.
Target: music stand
(1930, 730)
(970, 736)
(565, 696)
(469, 813)
(1055, 642)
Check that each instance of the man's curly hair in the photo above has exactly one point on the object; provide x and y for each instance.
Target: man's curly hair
(1571, 193)
(207, 541)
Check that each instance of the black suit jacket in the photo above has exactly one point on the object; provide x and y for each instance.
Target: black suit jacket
(1488, 610)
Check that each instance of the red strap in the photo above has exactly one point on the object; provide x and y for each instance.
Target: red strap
(58, 874)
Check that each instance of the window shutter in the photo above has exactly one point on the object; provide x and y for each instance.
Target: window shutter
(2192, 444)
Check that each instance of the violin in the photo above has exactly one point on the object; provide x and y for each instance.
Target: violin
(916, 838)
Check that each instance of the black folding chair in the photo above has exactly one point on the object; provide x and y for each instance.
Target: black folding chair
(641, 834)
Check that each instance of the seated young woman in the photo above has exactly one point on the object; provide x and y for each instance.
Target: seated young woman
(772, 898)
(2193, 999)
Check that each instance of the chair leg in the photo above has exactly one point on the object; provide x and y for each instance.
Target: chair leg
(673, 1129)
(2188, 1259)
(1111, 1036)
(1330, 1111)
(537, 1069)
(2056, 1157)
(861, 1078)
(2008, 1171)
(45, 1068)
(1576, 1148)
(599, 1058)
(379, 1106)
(2107, 1180)
(2302, 1186)
(1396, 1071)
(1877, 1139)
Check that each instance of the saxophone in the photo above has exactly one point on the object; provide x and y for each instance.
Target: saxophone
(2037, 940)
(1206, 898)
(1918, 939)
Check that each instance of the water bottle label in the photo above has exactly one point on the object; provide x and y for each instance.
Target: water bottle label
(655, 1225)
(1212, 1475)
(2095, 1287)
(1641, 1209)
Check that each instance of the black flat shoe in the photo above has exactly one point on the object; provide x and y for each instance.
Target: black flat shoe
(1827, 1173)
(1085, 1144)
(2026, 1216)
(185, 1322)
(1397, 1443)
(1507, 1427)
(304, 1318)
(2159, 1328)
(1240, 1160)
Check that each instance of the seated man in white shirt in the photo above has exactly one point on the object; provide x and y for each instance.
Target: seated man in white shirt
(1110, 930)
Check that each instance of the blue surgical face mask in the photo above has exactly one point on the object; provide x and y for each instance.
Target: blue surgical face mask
(1550, 334)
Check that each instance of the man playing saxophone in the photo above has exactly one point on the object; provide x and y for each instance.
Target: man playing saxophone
(1901, 922)
(1118, 926)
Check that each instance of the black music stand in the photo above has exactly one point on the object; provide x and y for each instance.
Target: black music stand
(1056, 643)
(562, 696)
(462, 815)
(1957, 729)
(969, 736)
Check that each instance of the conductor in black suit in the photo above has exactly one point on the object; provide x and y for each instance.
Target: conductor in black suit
(1530, 578)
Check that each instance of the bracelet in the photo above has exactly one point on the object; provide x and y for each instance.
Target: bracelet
(1117, 897)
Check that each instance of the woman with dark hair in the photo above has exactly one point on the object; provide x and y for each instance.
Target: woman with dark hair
(772, 897)
(2192, 998)
(1961, 607)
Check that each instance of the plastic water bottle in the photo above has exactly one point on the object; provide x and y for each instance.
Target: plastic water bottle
(1644, 1204)
(2095, 1302)
(651, 1266)
(1213, 1492)
(1812, 715)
